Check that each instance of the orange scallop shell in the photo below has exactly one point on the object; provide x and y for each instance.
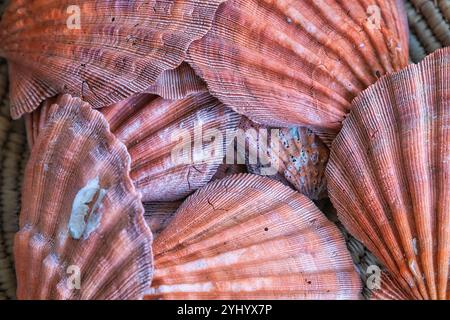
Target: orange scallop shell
(283, 63)
(102, 51)
(250, 237)
(80, 212)
(389, 175)
(148, 125)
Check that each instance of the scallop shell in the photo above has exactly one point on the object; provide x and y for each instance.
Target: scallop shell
(429, 24)
(366, 263)
(81, 215)
(151, 128)
(299, 63)
(250, 237)
(102, 51)
(389, 174)
(296, 156)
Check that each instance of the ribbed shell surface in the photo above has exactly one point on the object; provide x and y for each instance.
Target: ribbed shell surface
(113, 254)
(250, 237)
(301, 62)
(389, 174)
(100, 50)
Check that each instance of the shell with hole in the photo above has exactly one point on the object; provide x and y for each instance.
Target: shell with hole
(300, 63)
(389, 175)
(250, 237)
(101, 51)
(82, 223)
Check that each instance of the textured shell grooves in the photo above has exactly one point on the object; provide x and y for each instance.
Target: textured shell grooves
(76, 140)
(149, 127)
(247, 237)
(284, 63)
(120, 47)
(390, 174)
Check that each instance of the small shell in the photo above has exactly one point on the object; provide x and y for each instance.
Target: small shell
(170, 141)
(389, 174)
(102, 51)
(81, 217)
(250, 237)
(151, 126)
(299, 63)
(296, 154)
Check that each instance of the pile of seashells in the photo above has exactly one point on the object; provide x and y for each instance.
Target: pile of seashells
(186, 149)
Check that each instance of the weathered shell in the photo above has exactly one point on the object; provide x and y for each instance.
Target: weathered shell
(250, 237)
(80, 213)
(284, 63)
(151, 128)
(390, 289)
(296, 156)
(13, 155)
(389, 174)
(429, 25)
(100, 50)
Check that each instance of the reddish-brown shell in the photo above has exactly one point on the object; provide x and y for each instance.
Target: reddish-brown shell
(100, 50)
(284, 63)
(295, 156)
(250, 237)
(389, 174)
(153, 128)
(81, 215)
(390, 289)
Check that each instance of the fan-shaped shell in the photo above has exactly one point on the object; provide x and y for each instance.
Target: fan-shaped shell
(301, 62)
(389, 174)
(80, 211)
(250, 237)
(296, 154)
(100, 50)
(151, 128)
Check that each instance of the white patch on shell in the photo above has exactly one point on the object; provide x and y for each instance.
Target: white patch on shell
(83, 219)
(414, 243)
